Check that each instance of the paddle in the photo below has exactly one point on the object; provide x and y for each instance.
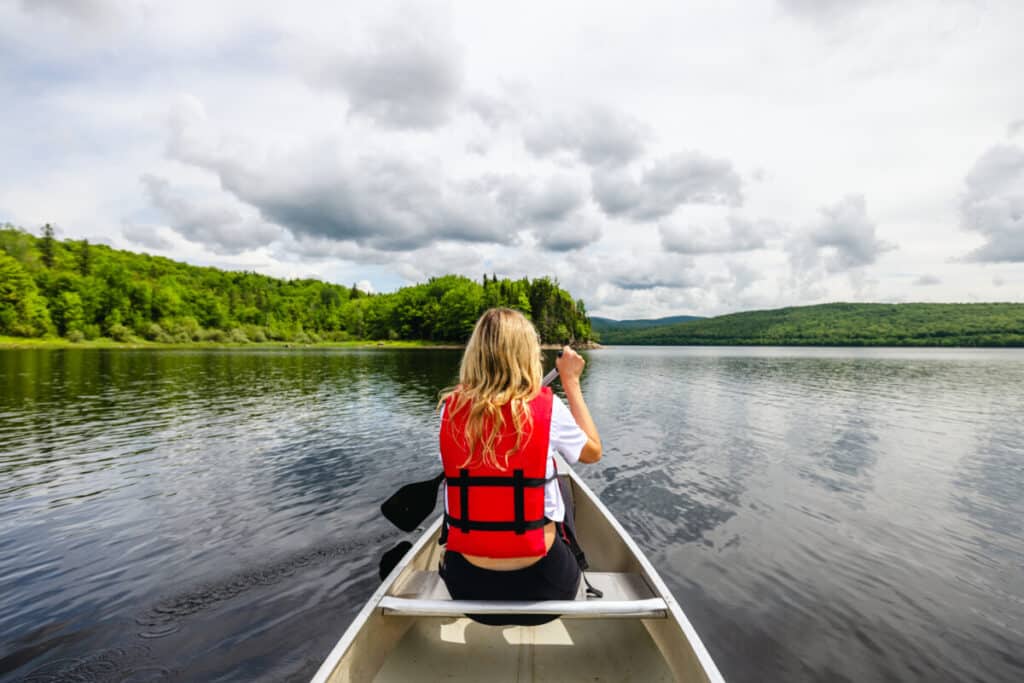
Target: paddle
(391, 558)
(413, 503)
(410, 505)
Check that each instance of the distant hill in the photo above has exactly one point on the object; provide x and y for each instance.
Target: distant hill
(842, 324)
(603, 325)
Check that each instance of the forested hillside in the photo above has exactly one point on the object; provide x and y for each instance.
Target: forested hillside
(82, 291)
(843, 324)
(604, 325)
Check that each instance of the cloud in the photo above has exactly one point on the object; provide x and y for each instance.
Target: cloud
(491, 109)
(994, 205)
(436, 260)
(843, 239)
(597, 135)
(742, 276)
(383, 200)
(405, 75)
(578, 232)
(927, 281)
(688, 178)
(738, 234)
(639, 273)
(83, 11)
(146, 236)
(539, 199)
(819, 10)
(1015, 127)
(216, 224)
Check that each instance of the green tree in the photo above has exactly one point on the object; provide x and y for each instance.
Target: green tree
(23, 311)
(84, 258)
(68, 313)
(46, 246)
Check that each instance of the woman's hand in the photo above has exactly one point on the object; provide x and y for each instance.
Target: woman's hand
(570, 365)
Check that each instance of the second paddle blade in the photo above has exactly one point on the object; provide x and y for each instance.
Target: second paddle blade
(412, 503)
(391, 559)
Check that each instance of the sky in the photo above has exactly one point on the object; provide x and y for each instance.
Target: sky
(656, 158)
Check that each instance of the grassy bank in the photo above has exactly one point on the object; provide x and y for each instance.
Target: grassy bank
(104, 343)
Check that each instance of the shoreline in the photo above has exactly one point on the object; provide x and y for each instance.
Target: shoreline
(59, 343)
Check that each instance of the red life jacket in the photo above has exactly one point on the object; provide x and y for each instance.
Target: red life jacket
(493, 512)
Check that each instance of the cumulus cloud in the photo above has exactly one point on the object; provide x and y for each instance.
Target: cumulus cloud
(687, 178)
(927, 281)
(737, 234)
(406, 75)
(742, 276)
(216, 224)
(382, 200)
(540, 199)
(436, 260)
(824, 9)
(843, 239)
(493, 110)
(146, 236)
(575, 233)
(993, 205)
(651, 272)
(84, 11)
(597, 135)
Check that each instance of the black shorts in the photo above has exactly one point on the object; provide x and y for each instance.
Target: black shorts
(556, 576)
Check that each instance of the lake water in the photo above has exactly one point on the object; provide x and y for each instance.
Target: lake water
(821, 514)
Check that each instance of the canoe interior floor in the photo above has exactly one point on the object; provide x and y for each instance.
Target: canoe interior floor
(446, 649)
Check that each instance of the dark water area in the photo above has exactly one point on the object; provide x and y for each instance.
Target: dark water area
(821, 514)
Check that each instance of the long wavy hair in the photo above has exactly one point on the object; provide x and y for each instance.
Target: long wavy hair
(501, 365)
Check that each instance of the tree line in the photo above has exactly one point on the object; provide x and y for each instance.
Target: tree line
(845, 324)
(79, 290)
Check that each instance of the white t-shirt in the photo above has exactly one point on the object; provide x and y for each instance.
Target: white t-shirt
(567, 439)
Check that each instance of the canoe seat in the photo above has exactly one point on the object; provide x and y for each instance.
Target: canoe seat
(625, 596)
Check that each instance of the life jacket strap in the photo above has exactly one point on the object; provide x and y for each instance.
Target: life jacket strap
(463, 524)
(519, 484)
(529, 482)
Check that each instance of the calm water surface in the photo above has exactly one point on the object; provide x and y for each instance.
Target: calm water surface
(821, 514)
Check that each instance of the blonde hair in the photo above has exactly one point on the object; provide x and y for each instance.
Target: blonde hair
(501, 365)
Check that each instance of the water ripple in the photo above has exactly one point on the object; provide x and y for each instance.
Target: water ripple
(822, 514)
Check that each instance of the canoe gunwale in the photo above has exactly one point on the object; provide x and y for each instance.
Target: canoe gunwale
(329, 664)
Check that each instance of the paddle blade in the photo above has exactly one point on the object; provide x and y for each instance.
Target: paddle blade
(392, 557)
(412, 503)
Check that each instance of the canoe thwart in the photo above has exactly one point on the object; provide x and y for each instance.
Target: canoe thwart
(626, 595)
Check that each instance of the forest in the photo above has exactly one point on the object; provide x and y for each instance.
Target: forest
(844, 324)
(77, 290)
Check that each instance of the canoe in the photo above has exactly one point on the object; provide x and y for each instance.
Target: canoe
(411, 629)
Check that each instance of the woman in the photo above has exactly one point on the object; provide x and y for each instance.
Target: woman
(499, 431)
